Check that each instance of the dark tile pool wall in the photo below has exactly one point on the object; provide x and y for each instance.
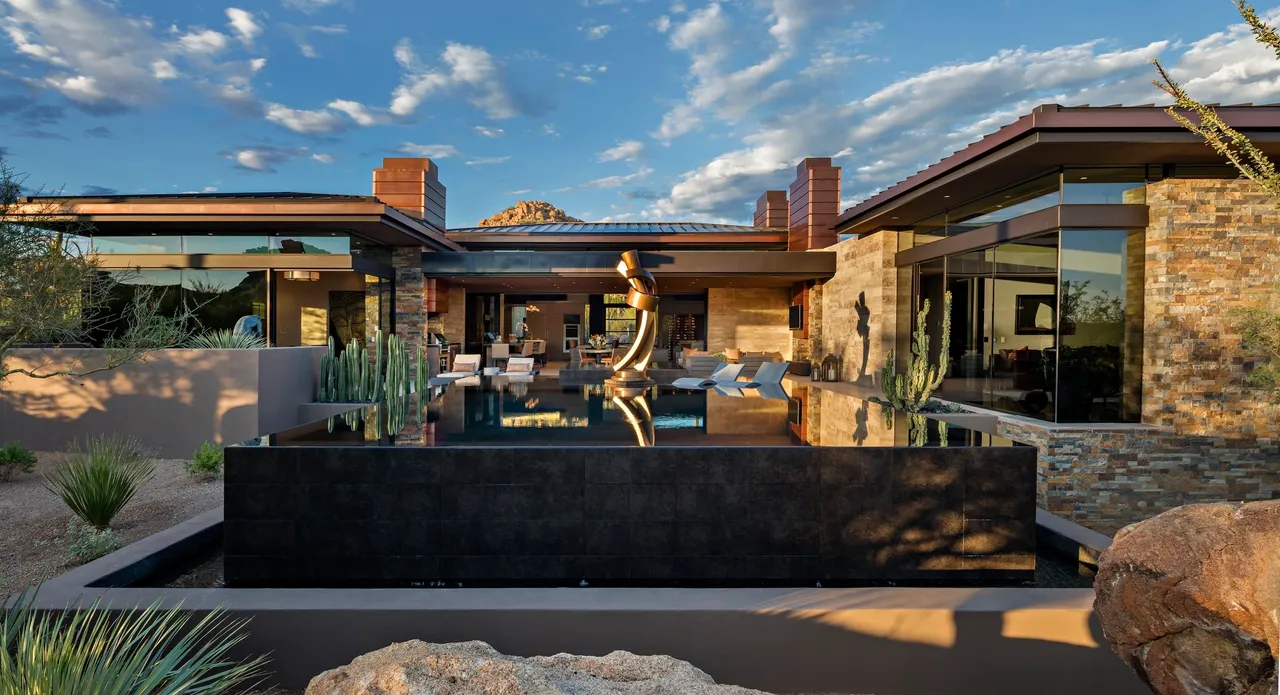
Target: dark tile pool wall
(383, 516)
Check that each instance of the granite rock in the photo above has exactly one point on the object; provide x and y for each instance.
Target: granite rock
(1189, 598)
(410, 668)
(528, 212)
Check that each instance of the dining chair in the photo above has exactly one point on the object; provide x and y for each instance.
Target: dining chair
(499, 352)
(526, 349)
(540, 352)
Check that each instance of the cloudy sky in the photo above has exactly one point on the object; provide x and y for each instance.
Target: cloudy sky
(611, 109)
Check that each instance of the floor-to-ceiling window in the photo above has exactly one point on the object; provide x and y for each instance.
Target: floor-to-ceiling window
(1048, 327)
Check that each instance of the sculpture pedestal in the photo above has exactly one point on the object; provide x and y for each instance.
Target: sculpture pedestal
(629, 383)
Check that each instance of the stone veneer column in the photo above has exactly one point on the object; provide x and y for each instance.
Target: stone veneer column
(864, 309)
(411, 301)
(1212, 246)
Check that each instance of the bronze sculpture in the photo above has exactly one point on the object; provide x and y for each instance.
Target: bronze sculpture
(629, 370)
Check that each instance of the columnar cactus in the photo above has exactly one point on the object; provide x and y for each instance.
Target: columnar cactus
(911, 391)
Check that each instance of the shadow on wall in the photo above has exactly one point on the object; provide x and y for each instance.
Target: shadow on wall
(864, 333)
(172, 402)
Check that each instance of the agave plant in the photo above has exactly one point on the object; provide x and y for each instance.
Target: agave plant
(226, 339)
(120, 652)
(97, 480)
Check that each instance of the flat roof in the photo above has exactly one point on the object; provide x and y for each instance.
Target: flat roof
(287, 212)
(592, 235)
(1048, 137)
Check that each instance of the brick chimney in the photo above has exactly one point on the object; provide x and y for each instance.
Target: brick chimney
(815, 205)
(771, 210)
(411, 185)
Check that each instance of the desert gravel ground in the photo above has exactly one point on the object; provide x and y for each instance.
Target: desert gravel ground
(32, 519)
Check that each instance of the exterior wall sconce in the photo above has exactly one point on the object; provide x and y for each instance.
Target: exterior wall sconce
(302, 275)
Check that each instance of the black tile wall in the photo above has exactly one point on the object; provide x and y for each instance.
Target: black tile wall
(334, 516)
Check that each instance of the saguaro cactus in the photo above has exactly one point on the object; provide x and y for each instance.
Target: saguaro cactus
(911, 391)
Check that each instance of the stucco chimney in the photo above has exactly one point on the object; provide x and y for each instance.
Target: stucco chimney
(411, 185)
(771, 210)
(815, 205)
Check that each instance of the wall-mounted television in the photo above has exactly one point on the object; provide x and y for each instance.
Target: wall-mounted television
(796, 317)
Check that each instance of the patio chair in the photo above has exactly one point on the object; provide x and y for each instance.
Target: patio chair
(771, 392)
(770, 373)
(463, 366)
(577, 359)
(521, 365)
(725, 374)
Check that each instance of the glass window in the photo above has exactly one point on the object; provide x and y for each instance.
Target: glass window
(929, 230)
(224, 243)
(619, 318)
(1114, 186)
(1024, 320)
(137, 244)
(968, 280)
(223, 297)
(1100, 365)
(1194, 171)
(1015, 201)
(311, 243)
(125, 285)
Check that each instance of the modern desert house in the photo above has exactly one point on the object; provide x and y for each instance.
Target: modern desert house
(1092, 255)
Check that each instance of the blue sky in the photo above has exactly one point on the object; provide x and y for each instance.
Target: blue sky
(610, 109)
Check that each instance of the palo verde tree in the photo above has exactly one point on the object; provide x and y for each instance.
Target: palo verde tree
(53, 292)
(1259, 326)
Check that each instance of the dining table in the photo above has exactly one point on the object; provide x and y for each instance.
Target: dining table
(597, 353)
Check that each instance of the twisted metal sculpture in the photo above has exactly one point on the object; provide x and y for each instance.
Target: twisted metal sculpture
(636, 411)
(643, 296)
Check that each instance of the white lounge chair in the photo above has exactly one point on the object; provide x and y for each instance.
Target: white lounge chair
(769, 373)
(724, 374)
(772, 392)
(521, 365)
(463, 366)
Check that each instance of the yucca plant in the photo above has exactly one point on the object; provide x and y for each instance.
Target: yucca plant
(97, 650)
(97, 480)
(226, 339)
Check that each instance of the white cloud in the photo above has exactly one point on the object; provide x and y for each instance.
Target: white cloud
(629, 149)
(264, 159)
(662, 24)
(468, 70)
(619, 181)
(244, 25)
(490, 132)
(586, 79)
(595, 32)
(621, 217)
(486, 160)
(203, 42)
(432, 151)
(894, 132)
(302, 121)
(309, 6)
(522, 191)
(550, 129)
(323, 158)
(163, 70)
(301, 36)
(257, 64)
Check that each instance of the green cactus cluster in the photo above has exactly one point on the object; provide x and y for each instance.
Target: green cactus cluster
(380, 375)
(911, 391)
(352, 376)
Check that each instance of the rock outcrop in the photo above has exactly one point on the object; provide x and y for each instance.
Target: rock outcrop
(528, 212)
(465, 668)
(1189, 598)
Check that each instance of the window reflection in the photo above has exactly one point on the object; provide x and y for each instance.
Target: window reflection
(216, 243)
(311, 244)
(224, 297)
(137, 244)
(1023, 326)
(1099, 369)
(1113, 186)
(1019, 200)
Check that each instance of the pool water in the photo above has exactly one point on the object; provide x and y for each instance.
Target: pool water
(534, 411)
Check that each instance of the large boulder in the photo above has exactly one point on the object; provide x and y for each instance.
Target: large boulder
(472, 668)
(1189, 598)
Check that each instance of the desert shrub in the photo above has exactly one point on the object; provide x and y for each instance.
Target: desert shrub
(85, 543)
(15, 458)
(226, 339)
(206, 464)
(97, 650)
(97, 480)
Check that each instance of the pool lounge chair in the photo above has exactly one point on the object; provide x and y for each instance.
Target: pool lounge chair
(521, 365)
(769, 374)
(723, 374)
(463, 366)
